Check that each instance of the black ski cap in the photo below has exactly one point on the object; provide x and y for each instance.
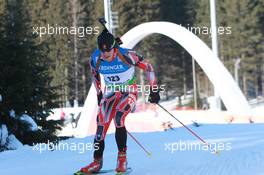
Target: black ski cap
(106, 41)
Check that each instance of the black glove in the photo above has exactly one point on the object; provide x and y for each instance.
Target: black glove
(99, 98)
(154, 97)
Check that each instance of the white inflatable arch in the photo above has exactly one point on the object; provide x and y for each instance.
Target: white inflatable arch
(222, 80)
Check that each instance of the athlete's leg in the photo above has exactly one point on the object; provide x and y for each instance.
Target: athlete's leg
(125, 105)
(123, 108)
(104, 117)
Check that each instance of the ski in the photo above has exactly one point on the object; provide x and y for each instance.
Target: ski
(99, 172)
(128, 171)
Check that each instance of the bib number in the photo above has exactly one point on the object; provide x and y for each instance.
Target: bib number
(113, 78)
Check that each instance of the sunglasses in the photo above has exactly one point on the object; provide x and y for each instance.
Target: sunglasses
(105, 50)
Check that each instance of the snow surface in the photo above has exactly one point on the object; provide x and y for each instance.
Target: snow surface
(243, 154)
(153, 119)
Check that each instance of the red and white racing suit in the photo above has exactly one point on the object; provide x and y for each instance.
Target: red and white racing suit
(120, 92)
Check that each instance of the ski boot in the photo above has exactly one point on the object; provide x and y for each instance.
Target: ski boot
(121, 162)
(93, 167)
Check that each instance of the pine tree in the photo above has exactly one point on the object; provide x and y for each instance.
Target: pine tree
(243, 19)
(202, 20)
(25, 81)
(245, 41)
(177, 65)
(69, 53)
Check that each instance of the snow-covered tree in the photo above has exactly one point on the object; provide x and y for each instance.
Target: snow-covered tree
(25, 81)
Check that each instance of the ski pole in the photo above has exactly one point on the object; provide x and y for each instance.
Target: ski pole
(148, 153)
(191, 131)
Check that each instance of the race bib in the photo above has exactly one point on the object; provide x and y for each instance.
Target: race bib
(122, 78)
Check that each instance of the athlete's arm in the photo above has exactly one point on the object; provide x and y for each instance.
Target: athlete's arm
(95, 77)
(134, 59)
